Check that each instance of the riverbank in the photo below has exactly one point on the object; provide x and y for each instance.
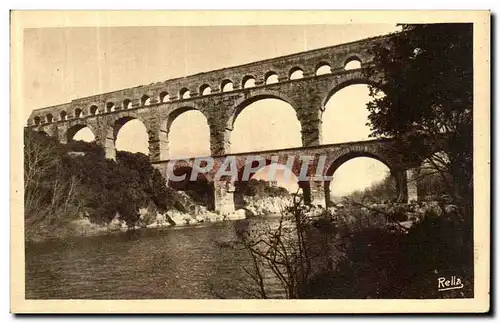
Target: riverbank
(82, 226)
(350, 214)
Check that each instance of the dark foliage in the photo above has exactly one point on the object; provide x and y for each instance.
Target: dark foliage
(100, 188)
(382, 264)
(260, 188)
(201, 191)
(425, 73)
(430, 185)
(377, 193)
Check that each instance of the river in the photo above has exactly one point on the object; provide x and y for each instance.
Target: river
(175, 262)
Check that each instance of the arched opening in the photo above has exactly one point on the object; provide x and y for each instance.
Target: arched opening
(226, 86)
(271, 78)
(271, 181)
(131, 135)
(63, 115)
(345, 117)
(184, 93)
(278, 126)
(94, 110)
(361, 178)
(200, 189)
(127, 104)
(110, 107)
(164, 97)
(352, 63)
(205, 89)
(145, 100)
(248, 81)
(78, 113)
(323, 68)
(37, 120)
(49, 118)
(188, 134)
(296, 73)
(80, 132)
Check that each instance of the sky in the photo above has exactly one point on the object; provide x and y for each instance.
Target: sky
(62, 64)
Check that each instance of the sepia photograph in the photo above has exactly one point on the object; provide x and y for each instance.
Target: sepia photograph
(166, 157)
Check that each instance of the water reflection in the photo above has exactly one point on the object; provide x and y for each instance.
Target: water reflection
(193, 262)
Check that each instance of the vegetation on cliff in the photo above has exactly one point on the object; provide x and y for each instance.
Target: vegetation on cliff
(261, 188)
(65, 182)
(430, 186)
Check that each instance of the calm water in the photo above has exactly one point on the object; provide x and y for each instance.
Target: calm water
(188, 262)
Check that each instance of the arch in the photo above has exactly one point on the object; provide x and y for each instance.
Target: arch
(226, 85)
(186, 133)
(145, 100)
(352, 153)
(205, 89)
(296, 73)
(164, 97)
(63, 115)
(323, 68)
(78, 113)
(372, 182)
(184, 93)
(73, 130)
(352, 62)
(355, 152)
(279, 126)
(167, 123)
(356, 78)
(133, 141)
(84, 134)
(248, 81)
(345, 116)
(257, 96)
(110, 107)
(49, 118)
(37, 120)
(127, 104)
(120, 121)
(94, 110)
(271, 78)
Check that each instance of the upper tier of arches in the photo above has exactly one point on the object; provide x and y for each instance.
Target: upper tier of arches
(293, 67)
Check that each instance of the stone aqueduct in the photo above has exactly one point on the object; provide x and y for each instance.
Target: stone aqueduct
(221, 95)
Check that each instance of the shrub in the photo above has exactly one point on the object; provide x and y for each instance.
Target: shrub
(59, 186)
(381, 263)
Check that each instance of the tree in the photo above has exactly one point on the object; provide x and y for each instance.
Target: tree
(384, 190)
(289, 250)
(49, 190)
(61, 185)
(425, 72)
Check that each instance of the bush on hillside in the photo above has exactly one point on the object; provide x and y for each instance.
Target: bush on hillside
(61, 185)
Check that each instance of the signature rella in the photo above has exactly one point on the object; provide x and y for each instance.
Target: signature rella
(453, 282)
(309, 168)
